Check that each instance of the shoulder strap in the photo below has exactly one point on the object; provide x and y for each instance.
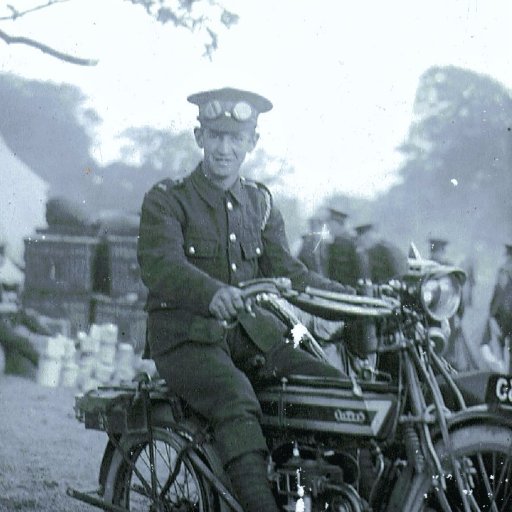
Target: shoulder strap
(168, 183)
(267, 196)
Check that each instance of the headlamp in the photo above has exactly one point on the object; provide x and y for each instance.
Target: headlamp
(441, 295)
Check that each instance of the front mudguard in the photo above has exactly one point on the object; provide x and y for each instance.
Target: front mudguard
(478, 414)
(483, 413)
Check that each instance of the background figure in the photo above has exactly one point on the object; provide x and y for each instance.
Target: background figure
(379, 260)
(437, 248)
(342, 263)
(469, 266)
(314, 246)
(457, 352)
(498, 334)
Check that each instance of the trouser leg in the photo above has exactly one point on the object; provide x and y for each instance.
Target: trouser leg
(205, 376)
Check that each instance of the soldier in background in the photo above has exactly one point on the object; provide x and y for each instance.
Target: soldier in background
(499, 326)
(378, 260)
(314, 245)
(438, 250)
(342, 258)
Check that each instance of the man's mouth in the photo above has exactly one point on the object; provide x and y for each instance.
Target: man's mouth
(223, 161)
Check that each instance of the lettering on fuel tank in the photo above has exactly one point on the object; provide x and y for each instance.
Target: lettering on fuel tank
(349, 416)
(504, 390)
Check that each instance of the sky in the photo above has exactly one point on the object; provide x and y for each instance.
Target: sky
(342, 75)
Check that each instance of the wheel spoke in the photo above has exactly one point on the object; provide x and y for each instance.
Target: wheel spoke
(183, 490)
(487, 485)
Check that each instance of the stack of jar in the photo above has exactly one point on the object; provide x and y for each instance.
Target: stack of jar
(57, 364)
(102, 359)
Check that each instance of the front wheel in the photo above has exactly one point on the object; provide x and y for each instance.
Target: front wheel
(484, 455)
(175, 485)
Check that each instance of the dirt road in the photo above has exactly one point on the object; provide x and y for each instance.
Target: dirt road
(43, 449)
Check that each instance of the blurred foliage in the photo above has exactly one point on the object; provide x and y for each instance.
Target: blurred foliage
(457, 176)
(203, 17)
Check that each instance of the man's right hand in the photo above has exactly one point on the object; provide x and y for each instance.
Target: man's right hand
(227, 303)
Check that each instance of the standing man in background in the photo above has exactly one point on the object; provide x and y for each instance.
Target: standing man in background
(499, 326)
(342, 260)
(314, 245)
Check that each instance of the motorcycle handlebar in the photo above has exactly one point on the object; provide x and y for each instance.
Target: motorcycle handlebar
(323, 301)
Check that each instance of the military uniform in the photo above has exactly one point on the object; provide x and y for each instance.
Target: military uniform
(501, 302)
(198, 239)
(194, 239)
(313, 253)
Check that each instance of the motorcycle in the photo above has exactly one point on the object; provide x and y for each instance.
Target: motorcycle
(403, 432)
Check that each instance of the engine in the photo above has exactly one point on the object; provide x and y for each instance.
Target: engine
(310, 480)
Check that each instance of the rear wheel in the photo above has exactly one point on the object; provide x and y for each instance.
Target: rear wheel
(484, 454)
(176, 485)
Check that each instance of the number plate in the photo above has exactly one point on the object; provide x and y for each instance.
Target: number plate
(499, 390)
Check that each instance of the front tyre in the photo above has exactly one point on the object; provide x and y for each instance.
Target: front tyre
(484, 453)
(175, 486)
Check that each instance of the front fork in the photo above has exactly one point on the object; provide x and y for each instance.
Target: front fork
(414, 363)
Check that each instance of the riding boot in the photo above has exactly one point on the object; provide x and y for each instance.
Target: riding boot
(248, 474)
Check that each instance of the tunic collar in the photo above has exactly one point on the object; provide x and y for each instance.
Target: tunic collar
(213, 194)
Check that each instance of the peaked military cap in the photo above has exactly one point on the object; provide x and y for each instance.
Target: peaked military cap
(364, 228)
(229, 109)
(337, 215)
(437, 243)
(508, 248)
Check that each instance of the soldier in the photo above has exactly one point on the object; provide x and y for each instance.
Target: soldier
(313, 248)
(198, 238)
(438, 250)
(500, 311)
(379, 260)
(342, 260)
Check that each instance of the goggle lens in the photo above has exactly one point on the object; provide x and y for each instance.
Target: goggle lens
(241, 111)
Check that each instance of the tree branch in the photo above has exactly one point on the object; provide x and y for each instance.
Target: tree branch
(18, 14)
(46, 49)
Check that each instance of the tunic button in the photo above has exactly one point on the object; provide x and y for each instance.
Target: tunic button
(191, 250)
(232, 237)
(258, 251)
(233, 267)
(229, 205)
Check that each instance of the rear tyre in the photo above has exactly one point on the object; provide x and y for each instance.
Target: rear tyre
(129, 481)
(484, 452)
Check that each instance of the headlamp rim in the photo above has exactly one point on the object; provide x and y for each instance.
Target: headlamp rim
(458, 296)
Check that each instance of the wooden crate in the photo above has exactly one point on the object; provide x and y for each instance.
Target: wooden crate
(130, 318)
(60, 263)
(119, 271)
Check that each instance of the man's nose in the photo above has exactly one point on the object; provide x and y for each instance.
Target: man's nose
(224, 144)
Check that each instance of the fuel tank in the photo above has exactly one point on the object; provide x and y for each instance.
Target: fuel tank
(365, 409)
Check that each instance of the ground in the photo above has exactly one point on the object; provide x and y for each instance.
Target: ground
(44, 449)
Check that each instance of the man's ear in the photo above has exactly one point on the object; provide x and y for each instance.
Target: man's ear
(198, 134)
(255, 137)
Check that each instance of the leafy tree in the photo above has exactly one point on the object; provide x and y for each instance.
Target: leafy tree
(457, 175)
(206, 17)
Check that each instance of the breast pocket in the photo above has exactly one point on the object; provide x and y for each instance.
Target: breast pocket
(251, 248)
(196, 247)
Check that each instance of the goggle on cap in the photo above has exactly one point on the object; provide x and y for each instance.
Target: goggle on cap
(230, 110)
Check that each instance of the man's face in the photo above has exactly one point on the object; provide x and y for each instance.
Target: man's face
(224, 152)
